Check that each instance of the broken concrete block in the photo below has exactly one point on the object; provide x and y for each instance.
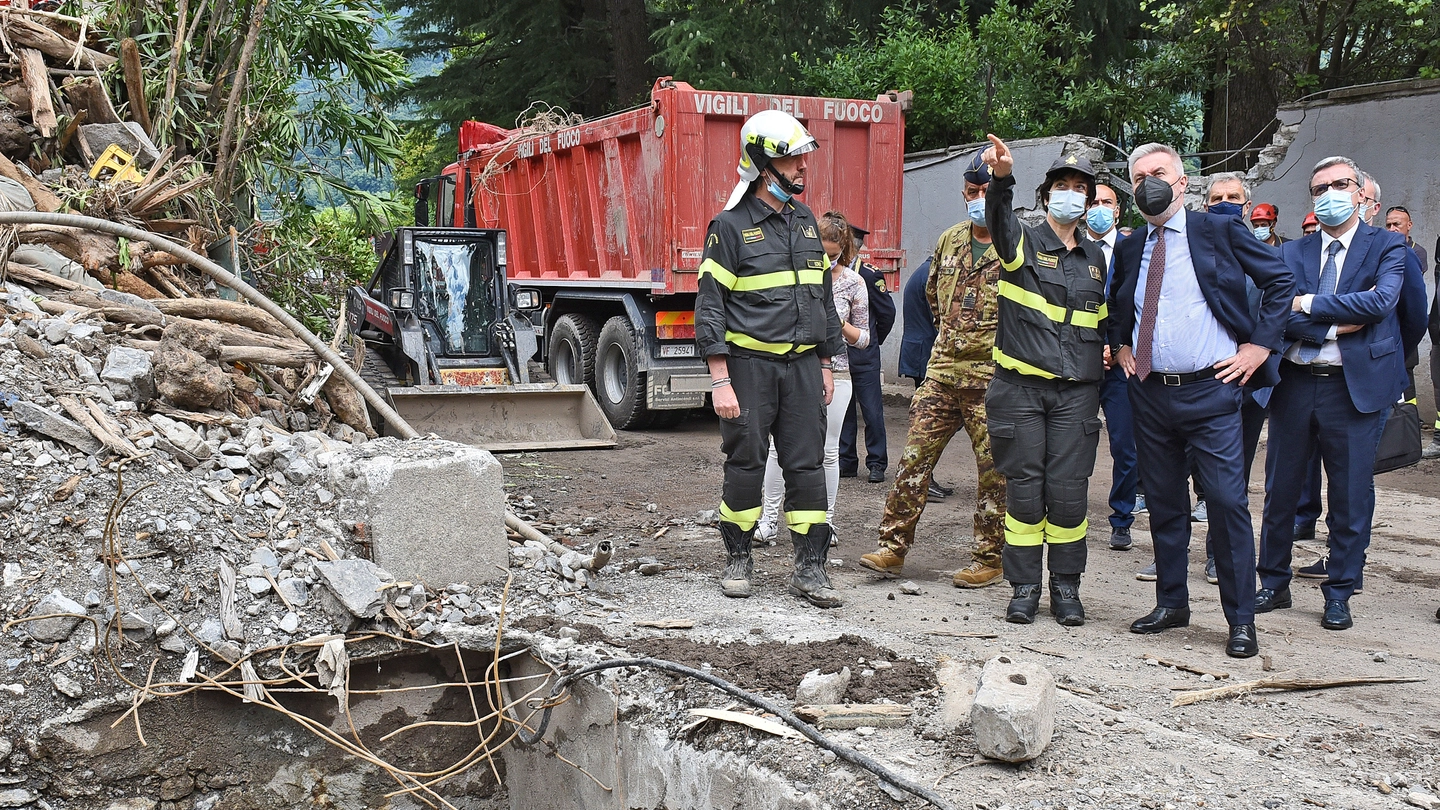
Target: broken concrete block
(129, 375)
(127, 135)
(822, 690)
(66, 685)
(1013, 717)
(356, 584)
(294, 591)
(434, 509)
(61, 626)
(57, 427)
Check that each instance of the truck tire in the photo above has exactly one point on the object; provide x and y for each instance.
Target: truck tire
(619, 384)
(570, 352)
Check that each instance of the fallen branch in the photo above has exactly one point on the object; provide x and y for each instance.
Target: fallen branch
(1283, 683)
(33, 35)
(282, 358)
(233, 312)
(1192, 669)
(855, 715)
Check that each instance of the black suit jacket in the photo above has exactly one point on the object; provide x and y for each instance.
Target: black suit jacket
(882, 319)
(1224, 252)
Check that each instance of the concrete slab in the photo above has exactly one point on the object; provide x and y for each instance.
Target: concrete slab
(433, 510)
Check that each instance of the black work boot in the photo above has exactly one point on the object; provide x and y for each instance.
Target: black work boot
(735, 581)
(1023, 604)
(810, 582)
(1065, 600)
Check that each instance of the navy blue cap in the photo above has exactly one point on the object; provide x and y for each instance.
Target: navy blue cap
(977, 172)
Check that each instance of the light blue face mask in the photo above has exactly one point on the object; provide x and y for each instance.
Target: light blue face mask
(780, 194)
(1100, 219)
(976, 210)
(1262, 233)
(1066, 206)
(1334, 207)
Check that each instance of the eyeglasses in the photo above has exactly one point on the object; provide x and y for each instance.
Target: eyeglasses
(1343, 184)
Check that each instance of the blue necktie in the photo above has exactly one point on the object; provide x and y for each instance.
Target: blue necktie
(1328, 276)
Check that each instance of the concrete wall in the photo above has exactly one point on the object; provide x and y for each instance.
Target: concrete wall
(933, 204)
(1393, 132)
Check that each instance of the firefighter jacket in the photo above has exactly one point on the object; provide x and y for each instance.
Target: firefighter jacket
(963, 295)
(765, 286)
(1052, 299)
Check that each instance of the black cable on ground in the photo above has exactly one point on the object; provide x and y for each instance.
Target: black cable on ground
(810, 732)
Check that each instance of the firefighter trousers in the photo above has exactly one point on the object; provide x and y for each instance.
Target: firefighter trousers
(782, 397)
(1043, 435)
(937, 412)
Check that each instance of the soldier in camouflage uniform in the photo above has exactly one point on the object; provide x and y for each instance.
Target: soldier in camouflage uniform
(962, 291)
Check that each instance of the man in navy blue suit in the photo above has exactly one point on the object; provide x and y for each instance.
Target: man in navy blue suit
(1182, 329)
(1411, 310)
(1344, 368)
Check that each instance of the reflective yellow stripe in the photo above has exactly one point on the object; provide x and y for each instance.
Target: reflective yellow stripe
(745, 518)
(1006, 361)
(1019, 259)
(724, 277)
(1024, 534)
(1055, 535)
(801, 521)
(1031, 300)
(780, 278)
(1410, 401)
(745, 341)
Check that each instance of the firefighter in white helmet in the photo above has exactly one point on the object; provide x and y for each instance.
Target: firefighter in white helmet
(765, 321)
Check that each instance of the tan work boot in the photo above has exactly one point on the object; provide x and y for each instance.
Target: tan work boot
(977, 575)
(884, 560)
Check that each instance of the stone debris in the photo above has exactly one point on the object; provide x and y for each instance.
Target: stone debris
(822, 690)
(58, 627)
(1013, 717)
(1425, 800)
(358, 585)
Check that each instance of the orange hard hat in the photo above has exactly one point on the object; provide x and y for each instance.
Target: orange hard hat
(1264, 211)
(1310, 220)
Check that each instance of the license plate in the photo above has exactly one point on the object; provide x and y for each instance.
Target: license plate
(474, 376)
(677, 350)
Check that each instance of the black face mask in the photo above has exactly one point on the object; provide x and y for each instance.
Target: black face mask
(796, 186)
(1154, 196)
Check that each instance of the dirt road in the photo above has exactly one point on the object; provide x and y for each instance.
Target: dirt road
(1119, 743)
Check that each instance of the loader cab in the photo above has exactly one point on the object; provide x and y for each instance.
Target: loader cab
(446, 287)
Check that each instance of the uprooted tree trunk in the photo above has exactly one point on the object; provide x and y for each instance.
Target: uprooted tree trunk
(98, 253)
(347, 405)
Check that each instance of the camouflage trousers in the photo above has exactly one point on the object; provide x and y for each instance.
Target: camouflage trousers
(936, 412)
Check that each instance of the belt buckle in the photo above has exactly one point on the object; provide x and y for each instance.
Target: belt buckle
(1320, 369)
(1169, 379)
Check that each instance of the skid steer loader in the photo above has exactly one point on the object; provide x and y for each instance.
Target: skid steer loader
(447, 345)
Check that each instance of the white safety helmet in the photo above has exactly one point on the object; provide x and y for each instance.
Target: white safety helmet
(767, 135)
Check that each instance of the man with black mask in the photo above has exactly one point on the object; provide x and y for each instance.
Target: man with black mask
(1181, 327)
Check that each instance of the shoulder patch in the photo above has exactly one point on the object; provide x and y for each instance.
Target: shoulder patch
(880, 284)
(815, 264)
(750, 235)
(1046, 260)
(809, 231)
(712, 240)
(1094, 272)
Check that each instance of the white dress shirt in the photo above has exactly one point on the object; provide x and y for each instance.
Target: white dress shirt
(1330, 350)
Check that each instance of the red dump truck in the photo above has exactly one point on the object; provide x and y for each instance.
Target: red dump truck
(605, 222)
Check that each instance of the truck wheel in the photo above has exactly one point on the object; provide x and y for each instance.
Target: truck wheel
(571, 350)
(619, 385)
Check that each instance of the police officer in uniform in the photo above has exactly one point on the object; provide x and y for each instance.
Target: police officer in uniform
(765, 321)
(1044, 402)
(962, 289)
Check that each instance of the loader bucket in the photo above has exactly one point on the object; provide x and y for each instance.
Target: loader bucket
(505, 419)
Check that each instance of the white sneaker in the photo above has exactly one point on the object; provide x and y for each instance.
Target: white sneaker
(765, 534)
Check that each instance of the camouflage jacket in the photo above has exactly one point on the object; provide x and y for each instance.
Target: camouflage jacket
(965, 304)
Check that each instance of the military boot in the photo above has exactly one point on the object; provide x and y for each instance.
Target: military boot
(1023, 604)
(810, 582)
(735, 582)
(1065, 600)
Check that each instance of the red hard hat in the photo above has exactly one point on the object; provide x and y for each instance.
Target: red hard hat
(1310, 220)
(1264, 211)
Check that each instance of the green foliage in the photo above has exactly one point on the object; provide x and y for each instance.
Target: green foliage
(757, 46)
(1306, 46)
(312, 256)
(424, 149)
(1016, 72)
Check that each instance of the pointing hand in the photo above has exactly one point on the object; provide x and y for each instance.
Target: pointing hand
(997, 156)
